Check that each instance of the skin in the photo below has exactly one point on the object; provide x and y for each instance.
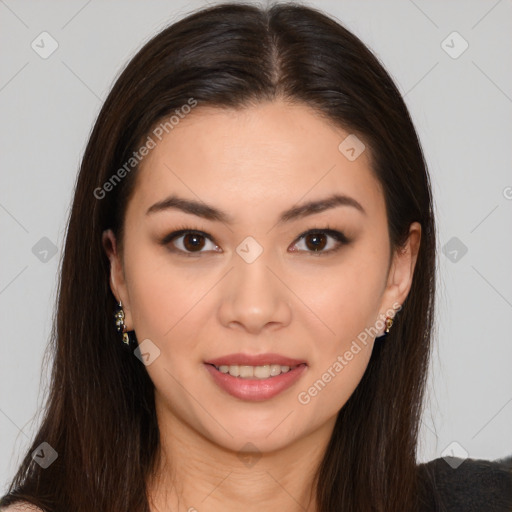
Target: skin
(252, 163)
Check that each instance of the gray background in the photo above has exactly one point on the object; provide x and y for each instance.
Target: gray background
(462, 110)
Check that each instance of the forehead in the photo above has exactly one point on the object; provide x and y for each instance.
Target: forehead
(269, 153)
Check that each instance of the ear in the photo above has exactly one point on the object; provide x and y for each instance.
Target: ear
(117, 279)
(401, 271)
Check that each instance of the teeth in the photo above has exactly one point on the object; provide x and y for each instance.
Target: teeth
(254, 372)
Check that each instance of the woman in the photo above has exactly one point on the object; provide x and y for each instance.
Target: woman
(247, 290)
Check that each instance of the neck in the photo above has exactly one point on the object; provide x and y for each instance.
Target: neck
(194, 474)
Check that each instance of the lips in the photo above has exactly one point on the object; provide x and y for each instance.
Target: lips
(256, 389)
(255, 360)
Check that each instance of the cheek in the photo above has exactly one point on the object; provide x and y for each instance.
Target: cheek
(347, 300)
(346, 296)
(170, 302)
(156, 291)
(333, 381)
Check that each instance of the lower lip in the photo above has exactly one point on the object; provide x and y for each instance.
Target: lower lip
(256, 389)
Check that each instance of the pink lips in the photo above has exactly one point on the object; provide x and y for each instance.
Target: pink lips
(255, 389)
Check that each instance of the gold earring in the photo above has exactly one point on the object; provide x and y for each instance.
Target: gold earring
(389, 323)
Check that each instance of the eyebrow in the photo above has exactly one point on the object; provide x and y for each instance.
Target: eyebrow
(205, 211)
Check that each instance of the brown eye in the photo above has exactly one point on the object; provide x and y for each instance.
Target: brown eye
(189, 242)
(321, 241)
(315, 241)
(193, 242)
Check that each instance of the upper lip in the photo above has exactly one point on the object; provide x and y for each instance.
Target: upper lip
(255, 360)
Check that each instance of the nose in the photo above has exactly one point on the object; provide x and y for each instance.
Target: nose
(255, 297)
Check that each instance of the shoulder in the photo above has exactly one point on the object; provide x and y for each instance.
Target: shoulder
(452, 484)
(24, 506)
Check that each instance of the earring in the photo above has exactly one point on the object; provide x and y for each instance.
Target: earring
(389, 323)
(121, 326)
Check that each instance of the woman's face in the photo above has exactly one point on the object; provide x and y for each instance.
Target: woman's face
(248, 284)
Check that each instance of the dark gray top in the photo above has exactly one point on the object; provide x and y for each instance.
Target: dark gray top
(476, 485)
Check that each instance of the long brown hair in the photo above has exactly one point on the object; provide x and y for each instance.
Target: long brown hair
(99, 415)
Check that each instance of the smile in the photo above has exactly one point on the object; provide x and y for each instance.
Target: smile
(255, 383)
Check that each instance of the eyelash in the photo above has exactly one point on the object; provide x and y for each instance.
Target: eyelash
(185, 230)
